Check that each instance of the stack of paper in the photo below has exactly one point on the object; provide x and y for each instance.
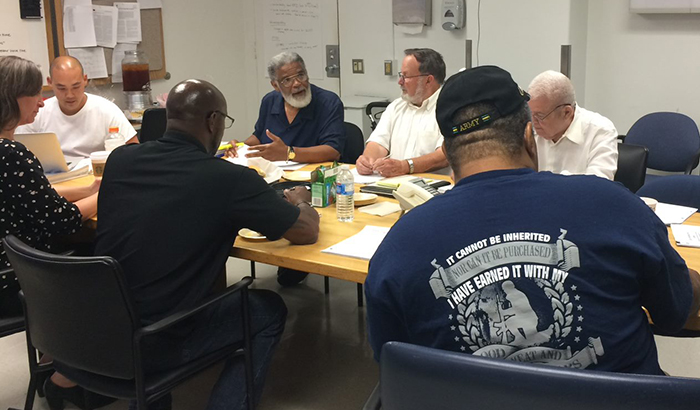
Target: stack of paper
(686, 235)
(361, 245)
(673, 214)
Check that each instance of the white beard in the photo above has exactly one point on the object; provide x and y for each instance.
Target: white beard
(298, 102)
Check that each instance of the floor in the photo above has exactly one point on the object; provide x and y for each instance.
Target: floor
(323, 361)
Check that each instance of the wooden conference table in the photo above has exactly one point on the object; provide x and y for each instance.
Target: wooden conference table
(309, 258)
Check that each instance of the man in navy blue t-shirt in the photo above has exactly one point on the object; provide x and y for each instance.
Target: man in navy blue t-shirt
(520, 265)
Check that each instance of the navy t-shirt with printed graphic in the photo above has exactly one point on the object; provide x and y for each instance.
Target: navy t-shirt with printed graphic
(532, 267)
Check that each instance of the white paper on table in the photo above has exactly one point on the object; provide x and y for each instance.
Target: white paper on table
(686, 235)
(117, 57)
(78, 27)
(362, 245)
(128, 23)
(673, 214)
(150, 4)
(92, 59)
(105, 18)
(365, 179)
(381, 208)
(289, 165)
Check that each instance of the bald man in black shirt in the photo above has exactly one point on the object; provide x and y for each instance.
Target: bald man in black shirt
(169, 212)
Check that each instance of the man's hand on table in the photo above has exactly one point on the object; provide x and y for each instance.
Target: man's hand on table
(388, 167)
(297, 195)
(274, 151)
(364, 165)
(233, 151)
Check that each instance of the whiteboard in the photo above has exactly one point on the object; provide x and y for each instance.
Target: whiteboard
(295, 25)
(23, 38)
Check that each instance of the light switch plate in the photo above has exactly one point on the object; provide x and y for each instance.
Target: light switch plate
(358, 66)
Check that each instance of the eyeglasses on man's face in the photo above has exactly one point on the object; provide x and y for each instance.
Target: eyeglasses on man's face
(403, 77)
(288, 81)
(541, 118)
(228, 121)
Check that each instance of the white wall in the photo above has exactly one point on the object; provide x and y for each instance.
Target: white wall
(641, 63)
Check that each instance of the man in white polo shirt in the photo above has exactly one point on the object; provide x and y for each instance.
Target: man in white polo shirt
(570, 139)
(407, 139)
(80, 120)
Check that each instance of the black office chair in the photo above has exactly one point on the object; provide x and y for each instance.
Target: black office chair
(153, 124)
(631, 165)
(12, 324)
(79, 311)
(418, 377)
(354, 144)
(374, 111)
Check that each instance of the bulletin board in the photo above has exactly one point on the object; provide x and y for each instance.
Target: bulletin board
(151, 39)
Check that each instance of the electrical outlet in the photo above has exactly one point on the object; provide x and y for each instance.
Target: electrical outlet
(358, 66)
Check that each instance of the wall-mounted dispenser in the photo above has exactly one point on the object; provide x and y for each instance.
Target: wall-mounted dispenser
(453, 14)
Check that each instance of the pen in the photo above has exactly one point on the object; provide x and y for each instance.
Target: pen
(227, 146)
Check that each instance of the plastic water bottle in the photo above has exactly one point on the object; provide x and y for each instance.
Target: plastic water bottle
(344, 191)
(114, 139)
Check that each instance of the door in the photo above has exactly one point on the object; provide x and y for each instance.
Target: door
(303, 26)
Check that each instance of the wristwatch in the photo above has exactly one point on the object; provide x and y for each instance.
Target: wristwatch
(411, 167)
(290, 153)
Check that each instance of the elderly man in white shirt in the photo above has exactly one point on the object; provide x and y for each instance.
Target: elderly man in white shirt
(407, 138)
(570, 139)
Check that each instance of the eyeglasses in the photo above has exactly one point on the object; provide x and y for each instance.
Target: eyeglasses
(541, 118)
(403, 76)
(228, 121)
(286, 82)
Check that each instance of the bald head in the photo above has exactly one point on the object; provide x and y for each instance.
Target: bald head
(65, 63)
(197, 107)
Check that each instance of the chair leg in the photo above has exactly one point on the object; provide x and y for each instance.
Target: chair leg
(326, 285)
(247, 345)
(360, 296)
(31, 391)
(252, 269)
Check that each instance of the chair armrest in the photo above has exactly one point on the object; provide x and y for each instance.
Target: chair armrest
(694, 163)
(374, 401)
(184, 314)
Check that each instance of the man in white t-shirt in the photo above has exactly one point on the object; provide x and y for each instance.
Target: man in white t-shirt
(570, 139)
(407, 139)
(80, 120)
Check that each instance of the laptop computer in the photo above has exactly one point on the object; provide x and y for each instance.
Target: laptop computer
(46, 148)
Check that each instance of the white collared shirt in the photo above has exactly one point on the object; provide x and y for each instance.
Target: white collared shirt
(408, 131)
(589, 146)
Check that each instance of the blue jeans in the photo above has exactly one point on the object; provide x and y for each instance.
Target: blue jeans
(217, 328)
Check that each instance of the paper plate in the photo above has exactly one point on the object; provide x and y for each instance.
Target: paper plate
(250, 234)
(298, 176)
(363, 198)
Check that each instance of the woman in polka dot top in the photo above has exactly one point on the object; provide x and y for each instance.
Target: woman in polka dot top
(30, 208)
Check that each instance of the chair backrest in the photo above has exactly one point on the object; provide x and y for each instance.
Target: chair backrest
(374, 111)
(153, 124)
(631, 165)
(674, 189)
(673, 140)
(77, 309)
(417, 377)
(354, 144)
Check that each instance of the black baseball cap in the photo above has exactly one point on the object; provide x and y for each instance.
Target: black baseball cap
(484, 84)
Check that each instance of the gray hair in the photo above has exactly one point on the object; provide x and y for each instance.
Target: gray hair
(555, 86)
(430, 62)
(505, 136)
(18, 78)
(282, 59)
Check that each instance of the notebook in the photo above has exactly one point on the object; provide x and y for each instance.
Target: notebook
(46, 148)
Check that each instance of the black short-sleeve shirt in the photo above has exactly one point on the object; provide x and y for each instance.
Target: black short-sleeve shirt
(169, 212)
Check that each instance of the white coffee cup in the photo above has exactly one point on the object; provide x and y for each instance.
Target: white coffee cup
(651, 202)
(98, 159)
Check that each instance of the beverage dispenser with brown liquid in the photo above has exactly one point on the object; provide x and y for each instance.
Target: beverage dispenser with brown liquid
(136, 81)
